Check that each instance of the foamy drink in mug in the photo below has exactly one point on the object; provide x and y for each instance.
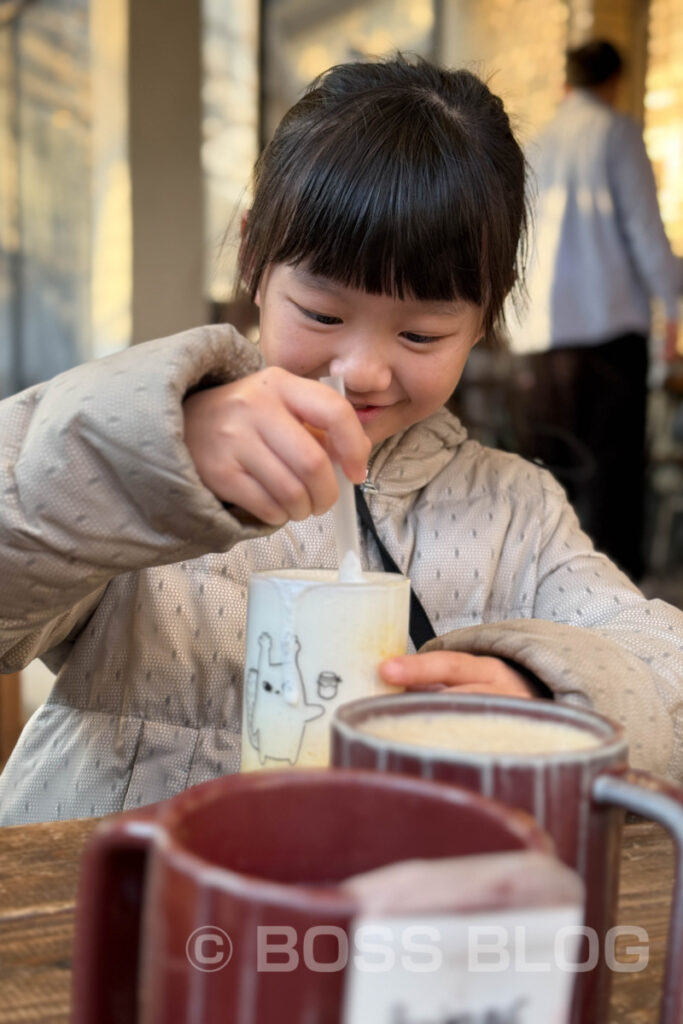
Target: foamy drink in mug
(479, 733)
(566, 766)
(313, 643)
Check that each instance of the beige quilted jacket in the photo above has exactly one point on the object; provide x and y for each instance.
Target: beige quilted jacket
(129, 578)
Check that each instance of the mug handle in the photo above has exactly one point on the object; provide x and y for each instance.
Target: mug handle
(107, 943)
(660, 801)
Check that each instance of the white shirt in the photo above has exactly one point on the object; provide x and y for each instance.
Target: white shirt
(599, 251)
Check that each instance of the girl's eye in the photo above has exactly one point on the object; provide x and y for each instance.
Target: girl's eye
(419, 339)
(320, 318)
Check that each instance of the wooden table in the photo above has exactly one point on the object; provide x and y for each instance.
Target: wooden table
(38, 872)
(10, 714)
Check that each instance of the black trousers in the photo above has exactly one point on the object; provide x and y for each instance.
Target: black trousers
(582, 411)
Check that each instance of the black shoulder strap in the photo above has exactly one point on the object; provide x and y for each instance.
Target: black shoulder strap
(421, 629)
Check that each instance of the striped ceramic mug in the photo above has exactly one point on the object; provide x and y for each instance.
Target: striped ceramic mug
(577, 792)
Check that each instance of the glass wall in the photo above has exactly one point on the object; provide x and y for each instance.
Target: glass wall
(230, 131)
(44, 191)
(304, 37)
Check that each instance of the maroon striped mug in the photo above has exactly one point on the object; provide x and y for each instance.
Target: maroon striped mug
(577, 795)
(174, 899)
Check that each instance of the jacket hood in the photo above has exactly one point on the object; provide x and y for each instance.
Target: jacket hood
(410, 460)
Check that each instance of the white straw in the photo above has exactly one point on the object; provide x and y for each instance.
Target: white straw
(345, 506)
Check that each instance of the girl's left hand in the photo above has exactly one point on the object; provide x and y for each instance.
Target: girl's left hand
(454, 670)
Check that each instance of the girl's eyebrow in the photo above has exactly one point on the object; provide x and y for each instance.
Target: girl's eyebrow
(441, 308)
(325, 284)
(318, 283)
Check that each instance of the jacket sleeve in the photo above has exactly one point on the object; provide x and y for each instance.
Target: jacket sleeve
(595, 640)
(635, 196)
(95, 481)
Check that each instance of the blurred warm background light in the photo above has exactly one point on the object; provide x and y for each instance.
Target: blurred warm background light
(113, 228)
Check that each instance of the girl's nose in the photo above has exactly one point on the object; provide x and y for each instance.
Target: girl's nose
(363, 370)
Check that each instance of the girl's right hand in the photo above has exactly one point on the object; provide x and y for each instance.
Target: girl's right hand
(266, 443)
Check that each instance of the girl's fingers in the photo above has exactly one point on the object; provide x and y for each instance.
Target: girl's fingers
(280, 432)
(250, 495)
(317, 404)
(299, 497)
(436, 671)
(447, 668)
(307, 462)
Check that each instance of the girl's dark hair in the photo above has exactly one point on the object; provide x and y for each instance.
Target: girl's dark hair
(394, 177)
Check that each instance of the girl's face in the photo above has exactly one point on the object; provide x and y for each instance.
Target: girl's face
(400, 358)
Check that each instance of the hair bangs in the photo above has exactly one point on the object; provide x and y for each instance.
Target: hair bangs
(362, 219)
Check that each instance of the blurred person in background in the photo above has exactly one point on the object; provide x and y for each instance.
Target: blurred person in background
(600, 254)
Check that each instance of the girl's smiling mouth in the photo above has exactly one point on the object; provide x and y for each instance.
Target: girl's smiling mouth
(365, 413)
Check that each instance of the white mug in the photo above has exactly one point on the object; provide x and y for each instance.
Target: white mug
(314, 643)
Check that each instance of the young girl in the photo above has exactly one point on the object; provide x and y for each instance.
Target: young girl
(139, 491)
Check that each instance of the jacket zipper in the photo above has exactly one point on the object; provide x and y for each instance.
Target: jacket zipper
(369, 487)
